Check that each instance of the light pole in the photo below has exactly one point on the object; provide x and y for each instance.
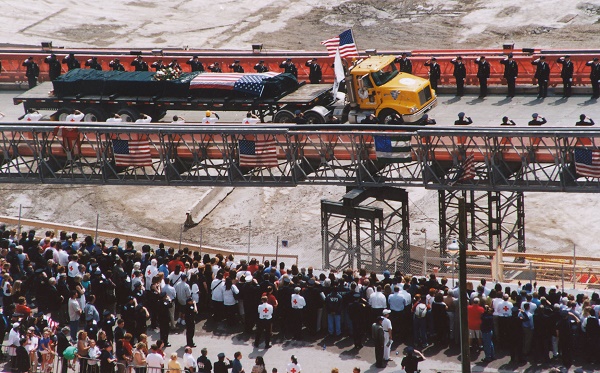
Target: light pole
(453, 249)
(424, 230)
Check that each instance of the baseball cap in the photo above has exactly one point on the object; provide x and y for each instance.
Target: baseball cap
(535, 115)
(221, 355)
(386, 312)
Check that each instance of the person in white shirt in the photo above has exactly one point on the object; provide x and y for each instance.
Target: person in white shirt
(14, 339)
(265, 321)
(378, 302)
(217, 288)
(94, 355)
(178, 119)
(250, 119)
(75, 116)
(189, 362)
(31, 116)
(183, 292)
(387, 334)
(144, 118)
(115, 119)
(210, 118)
(154, 359)
(293, 366)
(72, 267)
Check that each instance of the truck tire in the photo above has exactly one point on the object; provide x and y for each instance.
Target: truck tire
(284, 116)
(61, 114)
(94, 114)
(129, 114)
(313, 117)
(386, 115)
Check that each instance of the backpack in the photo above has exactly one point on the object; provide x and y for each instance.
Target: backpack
(421, 310)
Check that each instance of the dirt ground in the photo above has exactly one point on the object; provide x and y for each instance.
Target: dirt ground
(292, 214)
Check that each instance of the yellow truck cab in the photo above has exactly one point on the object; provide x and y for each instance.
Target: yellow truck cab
(374, 85)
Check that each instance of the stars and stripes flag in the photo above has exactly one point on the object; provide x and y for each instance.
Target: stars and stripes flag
(466, 170)
(52, 324)
(252, 84)
(587, 162)
(261, 152)
(393, 149)
(345, 43)
(132, 152)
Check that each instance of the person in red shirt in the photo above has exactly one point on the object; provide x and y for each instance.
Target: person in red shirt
(253, 267)
(270, 297)
(174, 263)
(474, 312)
(21, 308)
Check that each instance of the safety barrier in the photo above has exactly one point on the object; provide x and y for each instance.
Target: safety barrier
(13, 71)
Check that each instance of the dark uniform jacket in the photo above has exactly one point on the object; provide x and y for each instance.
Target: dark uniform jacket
(511, 69)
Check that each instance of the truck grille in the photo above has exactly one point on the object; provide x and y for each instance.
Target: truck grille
(425, 95)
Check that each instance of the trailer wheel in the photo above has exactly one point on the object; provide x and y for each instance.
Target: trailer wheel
(386, 115)
(313, 118)
(129, 114)
(284, 116)
(61, 114)
(93, 114)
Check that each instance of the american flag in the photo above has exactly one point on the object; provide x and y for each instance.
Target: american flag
(133, 152)
(247, 83)
(345, 42)
(587, 162)
(261, 152)
(466, 171)
(52, 324)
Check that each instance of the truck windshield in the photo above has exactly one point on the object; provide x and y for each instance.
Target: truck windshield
(385, 75)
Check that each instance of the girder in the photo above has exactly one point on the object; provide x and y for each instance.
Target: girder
(512, 160)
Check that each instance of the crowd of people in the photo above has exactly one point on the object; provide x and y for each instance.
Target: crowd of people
(62, 294)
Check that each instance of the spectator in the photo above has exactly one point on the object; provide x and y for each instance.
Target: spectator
(474, 312)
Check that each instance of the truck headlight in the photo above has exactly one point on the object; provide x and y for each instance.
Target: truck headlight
(413, 109)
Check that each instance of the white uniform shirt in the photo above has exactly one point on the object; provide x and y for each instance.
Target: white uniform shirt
(505, 308)
(250, 121)
(147, 119)
(265, 311)
(72, 268)
(114, 120)
(293, 368)
(149, 274)
(209, 120)
(32, 117)
(14, 338)
(298, 301)
(75, 117)
(387, 326)
(154, 360)
(217, 287)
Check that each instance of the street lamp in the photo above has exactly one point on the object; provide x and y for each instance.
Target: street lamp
(453, 249)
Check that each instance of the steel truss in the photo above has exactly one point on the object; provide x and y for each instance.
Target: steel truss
(493, 219)
(373, 235)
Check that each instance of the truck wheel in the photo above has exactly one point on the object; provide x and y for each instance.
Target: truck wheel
(61, 114)
(386, 115)
(93, 114)
(313, 118)
(129, 114)
(284, 116)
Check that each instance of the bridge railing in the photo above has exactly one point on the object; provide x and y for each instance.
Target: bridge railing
(540, 159)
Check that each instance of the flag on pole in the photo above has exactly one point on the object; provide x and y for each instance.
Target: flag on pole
(52, 324)
(587, 162)
(345, 43)
(133, 152)
(338, 69)
(466, 170)
(261, 152)
(393, 149)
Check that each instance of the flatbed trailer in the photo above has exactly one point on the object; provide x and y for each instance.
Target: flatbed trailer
(314, 100)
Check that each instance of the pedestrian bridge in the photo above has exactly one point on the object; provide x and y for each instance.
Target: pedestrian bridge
(444, 158)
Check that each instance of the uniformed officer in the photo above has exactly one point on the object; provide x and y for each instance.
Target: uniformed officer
(71, 62)
(215, 68)
(260, 67)
(434, 72)
(54, 68)
(265, 321)
(359, 313)
(537, 120)
(158, 65)
(511, 72)
(483, 74)
(236, 67)
(93, 64)
(378, 338)
(195, 64)
(542, 74)
(460, 73)
(387, 334)
(204, 364)
(595, 76)
(463, 120)
(584, 120)
(139, 64)
(116, 65)
(164, 318)
(174, 65)
(190, 312)
(405, 65)
(32, 72)
(566, 74)
(315, 74)
(289, 67)
(298, 304)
